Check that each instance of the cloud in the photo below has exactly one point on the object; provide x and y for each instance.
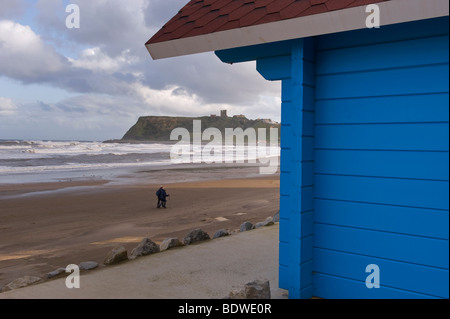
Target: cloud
(7, 107)
(171, 101)
(112, 25)
(95, 60)
(206, 76)
(83, 117)
(158, 12)
(11, 8)
(107, 66)
(177, 101)
(24, 56)
(115, 32)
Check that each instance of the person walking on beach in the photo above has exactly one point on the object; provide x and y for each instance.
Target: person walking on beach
(162, 197)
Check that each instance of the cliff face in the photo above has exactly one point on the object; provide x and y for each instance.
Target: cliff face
(159, 128)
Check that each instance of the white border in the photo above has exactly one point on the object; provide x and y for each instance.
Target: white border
(391, 12)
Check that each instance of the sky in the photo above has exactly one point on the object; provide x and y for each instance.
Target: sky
(92, 83)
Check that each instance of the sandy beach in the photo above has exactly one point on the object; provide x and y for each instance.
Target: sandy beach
(45, 226)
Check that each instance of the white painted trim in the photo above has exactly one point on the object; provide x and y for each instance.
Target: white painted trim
(391, 12)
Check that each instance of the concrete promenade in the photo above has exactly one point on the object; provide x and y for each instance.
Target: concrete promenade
(209, 270)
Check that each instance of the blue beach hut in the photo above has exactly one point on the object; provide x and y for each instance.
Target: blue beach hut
(365, 134)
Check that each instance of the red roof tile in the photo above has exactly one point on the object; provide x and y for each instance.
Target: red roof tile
(294, 9)
(231, 6)
(253, 16)
(201, 17)
(242, 11)
(337, 4)
(277, 6)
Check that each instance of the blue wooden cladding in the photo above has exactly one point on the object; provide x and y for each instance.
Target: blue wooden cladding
(402, 137)
(381, 163)
(413, 108)
(297, 149)
(367, 57)
(364, 160)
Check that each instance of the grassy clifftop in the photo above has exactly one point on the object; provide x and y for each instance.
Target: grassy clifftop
(159, 128)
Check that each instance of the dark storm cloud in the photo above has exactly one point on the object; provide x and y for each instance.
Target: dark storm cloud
(107, 71)
(12, 8)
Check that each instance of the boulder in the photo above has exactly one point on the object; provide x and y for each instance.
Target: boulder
(221, 233)
(237, 293)
(56, 273)
(146, 247)
(267, 222)
(88, 265)
(195, 236)
(276, 217)
(258, 289)
(246, 226)
(170, 243)
(116, 255)
(21, 282)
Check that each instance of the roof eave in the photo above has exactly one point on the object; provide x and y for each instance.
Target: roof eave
(391, 12)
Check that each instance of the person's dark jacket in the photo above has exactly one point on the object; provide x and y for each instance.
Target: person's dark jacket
(161, 193)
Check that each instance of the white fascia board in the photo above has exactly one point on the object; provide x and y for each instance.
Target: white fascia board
(391, 12)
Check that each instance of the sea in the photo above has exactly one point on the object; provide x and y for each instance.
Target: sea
(30, 161)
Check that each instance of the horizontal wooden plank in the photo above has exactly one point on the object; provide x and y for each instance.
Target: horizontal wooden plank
(292, 149)
(399, 275)
(385, 55)
(254, 52)
(414, 80)
(284, 253)
(419, 165)
(396, 219)
(384, 109)
(306, 270)
(305, 170)
(295, 198)
(283, 276)
(297, 278)
(398, 192)
(305, 293)
(275, 68)
(391, 33)
(331, 287)
(295, 260)
(299, 120)
(298, 225)
(408, 137)
(403, 248)
(289, 93)
(285, 232)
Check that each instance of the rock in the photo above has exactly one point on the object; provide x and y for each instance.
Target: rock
(246, 226)
(170, 243)
(146, 247)
(220, 233)
(55, 273)
(237, 293)
(21, 282)
(258, 289)
(276, 217)
(267, 222)
(259, 225)
(116, 255)
(195, 236)
(88, 265)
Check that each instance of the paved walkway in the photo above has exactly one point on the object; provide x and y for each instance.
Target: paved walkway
(209, 270)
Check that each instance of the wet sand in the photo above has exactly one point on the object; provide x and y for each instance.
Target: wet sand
(45, 226)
